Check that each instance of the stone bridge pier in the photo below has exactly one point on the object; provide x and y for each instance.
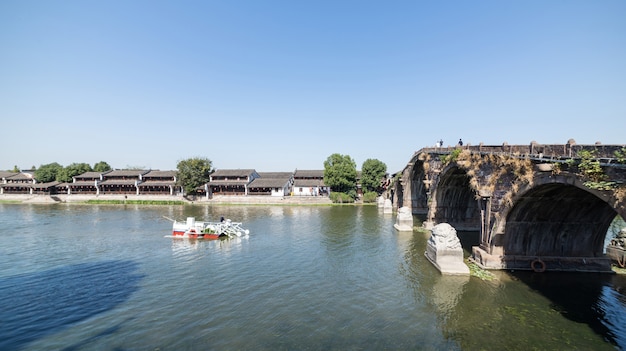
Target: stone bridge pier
(534, 207)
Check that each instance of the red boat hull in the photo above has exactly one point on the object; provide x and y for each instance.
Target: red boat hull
(178, 234)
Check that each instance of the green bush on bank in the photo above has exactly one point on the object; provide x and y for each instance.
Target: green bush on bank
(342, 198)
(370, 196)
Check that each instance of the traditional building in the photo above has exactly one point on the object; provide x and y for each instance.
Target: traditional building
(309, 183)
(16, 183)
(49, 188)
(272, 184)
(86, 183)
(4, 175)
(121, 182)
(230, 182)
(159, 183)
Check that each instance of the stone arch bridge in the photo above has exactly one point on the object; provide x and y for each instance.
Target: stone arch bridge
(534, 206)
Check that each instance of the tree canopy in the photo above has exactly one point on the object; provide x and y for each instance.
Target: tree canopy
(372, 172)
(340, 173)
(54, 171)
(193, 172)
(48, 172)
(101, 167)
(66, 174)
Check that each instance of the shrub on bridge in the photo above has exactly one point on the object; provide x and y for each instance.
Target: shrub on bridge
(620, 155)
(452, 157)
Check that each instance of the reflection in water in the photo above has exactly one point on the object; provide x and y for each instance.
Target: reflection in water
(595, 299)
(185, 246)
(41, 303)
(447, 291)
(517, 311)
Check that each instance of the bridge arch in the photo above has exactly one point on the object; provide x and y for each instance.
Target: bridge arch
(454, 201)
(412, 189)
(420, 187)
(556, 220)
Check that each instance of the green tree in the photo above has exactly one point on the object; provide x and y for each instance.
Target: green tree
(193, 172)
(101, 167)
(340, 174)
(48, 172)
(66, 174)
(16, 169)
(372, 173)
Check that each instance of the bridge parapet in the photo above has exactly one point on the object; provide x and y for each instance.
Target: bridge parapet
(535, 151)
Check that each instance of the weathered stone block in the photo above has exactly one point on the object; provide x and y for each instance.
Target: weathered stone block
(388, 207)
(404, 220)
(444, 250)
(380, 203)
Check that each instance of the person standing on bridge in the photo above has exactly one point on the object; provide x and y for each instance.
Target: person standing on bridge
(460, 142)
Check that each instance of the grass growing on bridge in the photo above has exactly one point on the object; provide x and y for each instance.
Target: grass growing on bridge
(618, 270)
(476, 271)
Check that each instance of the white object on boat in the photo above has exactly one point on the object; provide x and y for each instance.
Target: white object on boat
(207, 230)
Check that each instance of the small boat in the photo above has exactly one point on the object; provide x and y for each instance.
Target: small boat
(207, 230)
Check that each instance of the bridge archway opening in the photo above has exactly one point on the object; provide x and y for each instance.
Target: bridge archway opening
(456, 201)
(560, 223)
(420, 188)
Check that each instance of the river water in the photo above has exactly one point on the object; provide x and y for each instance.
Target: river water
(97, 277)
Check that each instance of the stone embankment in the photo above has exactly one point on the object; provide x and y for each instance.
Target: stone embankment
(217, 200)
(286, 200)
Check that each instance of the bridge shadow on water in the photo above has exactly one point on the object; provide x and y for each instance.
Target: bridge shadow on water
(598, 300)
(38, 304)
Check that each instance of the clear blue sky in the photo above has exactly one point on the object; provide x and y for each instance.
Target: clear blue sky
(280, 85)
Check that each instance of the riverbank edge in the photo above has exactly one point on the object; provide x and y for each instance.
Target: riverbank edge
(168, 200)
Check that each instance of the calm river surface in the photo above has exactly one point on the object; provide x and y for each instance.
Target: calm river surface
(97, 277)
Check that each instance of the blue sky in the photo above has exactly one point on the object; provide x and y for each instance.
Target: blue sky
(280, 85)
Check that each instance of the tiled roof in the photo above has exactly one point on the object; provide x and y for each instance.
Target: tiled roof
(90, 175)
(45, 185)
(5, 174)
(268, 183)
(309, 173)
(127, 173)
(307, 182)
(160, 174)
(278, 175)
(233, 172)
(20, 176)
